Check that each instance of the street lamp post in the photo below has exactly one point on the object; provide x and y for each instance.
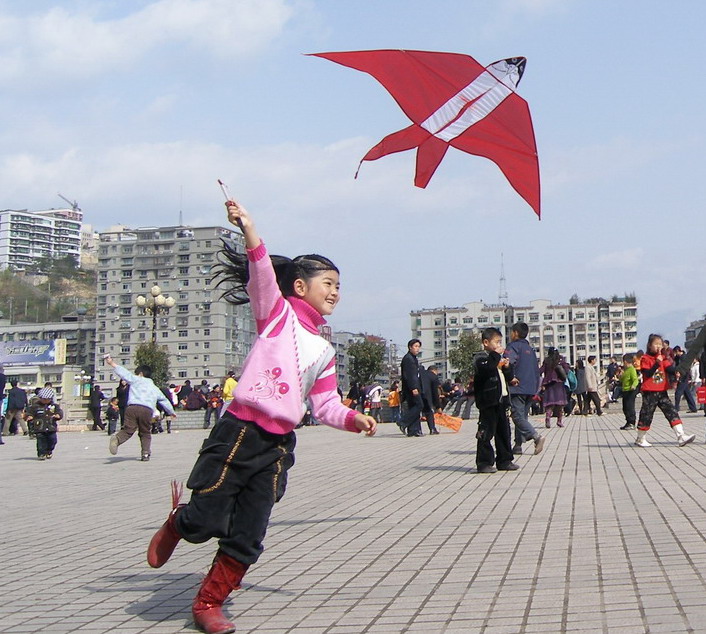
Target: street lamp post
(154, 304)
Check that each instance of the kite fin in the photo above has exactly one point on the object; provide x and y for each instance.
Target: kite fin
(405, 139)
(429, 155)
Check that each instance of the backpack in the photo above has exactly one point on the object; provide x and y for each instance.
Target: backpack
(571, 380)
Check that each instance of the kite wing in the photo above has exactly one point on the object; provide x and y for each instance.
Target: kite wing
(452, 100)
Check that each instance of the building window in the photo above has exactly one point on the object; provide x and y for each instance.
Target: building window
(207, 344)
(183, 333)
(206, 332)
(183, 346)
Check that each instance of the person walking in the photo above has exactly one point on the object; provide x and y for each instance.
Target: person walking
(431, 401)
(242, 467)
(43, 415)
(553, 372)
(523, 388)
(95, 401)
(411, 424)
(592, 385)
(142, 404)
(393, 402)
(658, 371)
(122, 392)
(16, 404)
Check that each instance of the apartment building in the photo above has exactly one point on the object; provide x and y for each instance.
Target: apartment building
(205, 336)
(27, 236)
(577, 330)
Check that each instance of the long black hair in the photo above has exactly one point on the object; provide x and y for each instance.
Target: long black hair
(232, 270)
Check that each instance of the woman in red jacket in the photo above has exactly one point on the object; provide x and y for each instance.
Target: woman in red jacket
(658, 372)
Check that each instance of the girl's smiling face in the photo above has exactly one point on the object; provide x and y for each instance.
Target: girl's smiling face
(321, 292)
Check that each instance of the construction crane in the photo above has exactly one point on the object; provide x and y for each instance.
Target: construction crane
(74, 204)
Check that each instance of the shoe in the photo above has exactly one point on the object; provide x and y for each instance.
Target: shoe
(560, 423)
(642, 443)
(164, 541)
(42, 457)
(415, 435)
(113, 445)
(693, 411)
(48, 456)
(517, 450)
(539, 444)
(433, 432)
(145, 458)
(547, 424)
(685, 440)
(487, 469)
(510, 466)
(628, 426)
(224, 576)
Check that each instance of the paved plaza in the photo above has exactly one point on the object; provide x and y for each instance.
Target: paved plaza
(385, 534)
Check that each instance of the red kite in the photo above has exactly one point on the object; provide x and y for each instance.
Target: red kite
(452, 100)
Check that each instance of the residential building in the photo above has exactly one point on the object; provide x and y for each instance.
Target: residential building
(205, 335)
(692, 331)
(28, 236)
(577, 330)
(341, 340)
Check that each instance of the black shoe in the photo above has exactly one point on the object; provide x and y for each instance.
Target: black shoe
(487, 469)
(433, 432)
(510, 466)
(145, 458)
(628, 426)
(517, 450)
(415, 434)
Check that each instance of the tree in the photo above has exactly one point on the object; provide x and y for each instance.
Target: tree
(157, 357)
(461, 355)
(366, 361)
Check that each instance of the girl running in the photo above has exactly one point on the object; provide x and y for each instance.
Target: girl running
(242, 467)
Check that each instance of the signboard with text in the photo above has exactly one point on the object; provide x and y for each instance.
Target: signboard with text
(34, 352)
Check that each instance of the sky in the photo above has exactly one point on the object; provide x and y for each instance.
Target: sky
(134, 108)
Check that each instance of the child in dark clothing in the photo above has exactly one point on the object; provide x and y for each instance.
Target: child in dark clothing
(43, 416)
(112, 415)
(492, 375)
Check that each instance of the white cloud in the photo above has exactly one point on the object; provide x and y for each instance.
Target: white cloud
(625, 259)
(78, 45)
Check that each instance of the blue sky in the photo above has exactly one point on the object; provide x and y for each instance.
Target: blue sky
(135, 108)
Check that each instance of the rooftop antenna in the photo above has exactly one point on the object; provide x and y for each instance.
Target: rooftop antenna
(181, 204)
(502, 293)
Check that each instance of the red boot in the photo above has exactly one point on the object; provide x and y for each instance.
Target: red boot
(224, 576)
(166, 538)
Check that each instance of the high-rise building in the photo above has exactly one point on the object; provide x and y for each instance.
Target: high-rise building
(28, 236)
(205, 335)
(578, 330)
(692, 331)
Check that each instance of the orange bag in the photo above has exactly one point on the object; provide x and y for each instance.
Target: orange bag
(347, 402)
(452, 422)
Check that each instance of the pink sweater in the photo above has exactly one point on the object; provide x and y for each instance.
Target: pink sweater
(289, 361)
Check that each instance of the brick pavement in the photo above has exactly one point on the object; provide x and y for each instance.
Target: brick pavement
(385, 534)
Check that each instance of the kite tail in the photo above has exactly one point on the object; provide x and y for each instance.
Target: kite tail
(400, 141)
(429, 155)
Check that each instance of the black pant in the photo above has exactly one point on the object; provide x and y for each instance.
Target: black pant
(411, 423)
(46, 441)
(595, 399)
(240, 473)
(629, 406)
(684, 389)
(428, 411)
(97, 422)
(650, 402)
(493, 423)
(210, 411)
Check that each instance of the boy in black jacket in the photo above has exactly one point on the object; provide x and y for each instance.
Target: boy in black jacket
(492, 376)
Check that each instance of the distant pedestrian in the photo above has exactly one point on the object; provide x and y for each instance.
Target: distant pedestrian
(184, 392)
(554, 372)
(523, 387)
(393, 402)
(214, 405)
(684, 384)
(112, 415)
(657, 373)
(411, 424)
(375, 398)
(44, 416)
(122, 392)
(629, 387)
(142, 404)
(95, 406)
(16, 404)
(592, 384)
(430, 396)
